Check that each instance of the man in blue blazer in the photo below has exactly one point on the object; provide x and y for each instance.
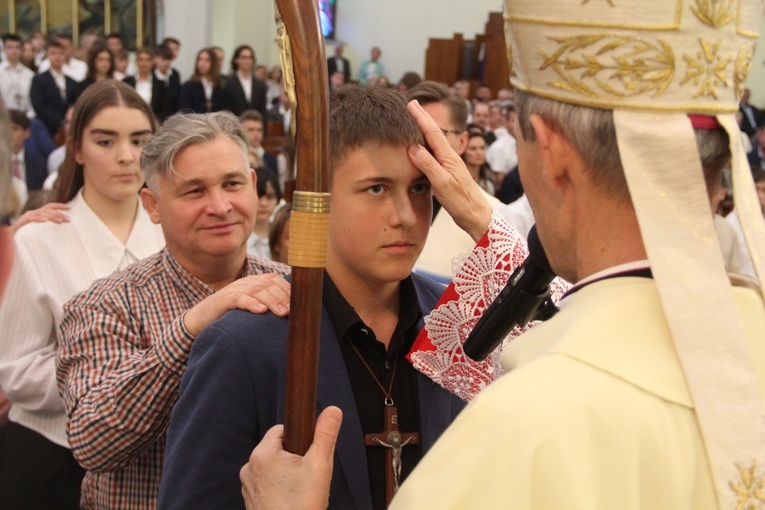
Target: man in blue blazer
(233, 389)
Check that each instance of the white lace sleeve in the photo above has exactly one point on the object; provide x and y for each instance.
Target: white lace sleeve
(479, 276)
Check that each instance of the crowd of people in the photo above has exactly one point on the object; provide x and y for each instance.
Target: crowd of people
(145, 316)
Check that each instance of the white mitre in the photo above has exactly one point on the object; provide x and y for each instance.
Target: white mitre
(653, 62)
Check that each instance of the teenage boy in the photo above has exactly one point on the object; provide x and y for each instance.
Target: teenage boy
(52, 91)
(27, 166)
(252, 120)
(373, 305)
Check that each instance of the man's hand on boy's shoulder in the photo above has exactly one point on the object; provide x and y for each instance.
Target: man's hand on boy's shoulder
(256, 293)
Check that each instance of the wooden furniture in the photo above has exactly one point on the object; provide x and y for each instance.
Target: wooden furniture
(482, 60)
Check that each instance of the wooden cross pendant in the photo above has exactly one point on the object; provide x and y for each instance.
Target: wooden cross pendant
(393, 440)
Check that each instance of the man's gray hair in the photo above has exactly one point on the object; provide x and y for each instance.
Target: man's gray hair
(184, 130)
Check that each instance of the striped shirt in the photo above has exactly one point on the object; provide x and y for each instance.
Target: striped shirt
(123, 351)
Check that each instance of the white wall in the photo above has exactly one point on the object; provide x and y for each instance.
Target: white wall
(401, 28)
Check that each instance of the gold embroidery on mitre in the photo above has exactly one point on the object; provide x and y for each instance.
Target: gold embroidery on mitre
(615, 66)
(714, 13)
(707, 70)
(750, 489)
(610, 2)
(741, 68)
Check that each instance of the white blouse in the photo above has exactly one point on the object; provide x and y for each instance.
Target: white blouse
(52, 263)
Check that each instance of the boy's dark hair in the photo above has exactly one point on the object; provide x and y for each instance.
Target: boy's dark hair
(147, 50)
(54, 43)
(758, 174)
(360, 115)
(163, 51)
(64, 35)
(264, 176)
(171, 40)
(19, 118)
(254, 115)
(12, 37)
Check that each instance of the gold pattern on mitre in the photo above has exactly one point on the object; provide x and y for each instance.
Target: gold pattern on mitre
(749, 489)
(714, 13)
(637, 55)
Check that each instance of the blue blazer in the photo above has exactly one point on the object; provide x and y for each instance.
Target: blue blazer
(233, 391)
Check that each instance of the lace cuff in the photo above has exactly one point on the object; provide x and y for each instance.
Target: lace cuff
(479, 277)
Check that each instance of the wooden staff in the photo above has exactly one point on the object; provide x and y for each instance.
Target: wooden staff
(306, 83)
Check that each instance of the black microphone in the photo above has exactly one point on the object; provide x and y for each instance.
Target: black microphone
(526, 297)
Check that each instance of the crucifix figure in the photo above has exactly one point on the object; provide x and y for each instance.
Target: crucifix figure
(393, 440)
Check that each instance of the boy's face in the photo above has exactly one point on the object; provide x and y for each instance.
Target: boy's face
(18, 135)
(254, 130)
(162, 64)
(56, 57)
(381, 211)
(12, 51)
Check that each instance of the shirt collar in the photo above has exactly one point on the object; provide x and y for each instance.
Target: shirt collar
(343, 316)
(107, 253)
(639, 268)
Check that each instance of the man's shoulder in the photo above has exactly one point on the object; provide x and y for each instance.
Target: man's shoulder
(263, 266)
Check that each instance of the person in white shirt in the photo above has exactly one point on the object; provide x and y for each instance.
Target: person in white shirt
(108, 229)
(15, 78)
(501, 155)
(75, 68)
(269, 197)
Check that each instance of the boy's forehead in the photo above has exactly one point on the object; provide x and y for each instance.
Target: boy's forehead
(376, 161)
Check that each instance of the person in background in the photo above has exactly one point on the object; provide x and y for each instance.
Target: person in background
(107, 230)
(15, 77)
(28, 167)
(279, 235)
(243, 90)
(73, 67)
(254, 126)
(750, 114)
(146, 83)
(28, 56)
(475, 160)
(339, 63)
(269, 196)
(371, 68)
(204, 92)
(275, 85)
(163, 61)
(409, 80)
(446, 239)
(52, 91)
(100, 62)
